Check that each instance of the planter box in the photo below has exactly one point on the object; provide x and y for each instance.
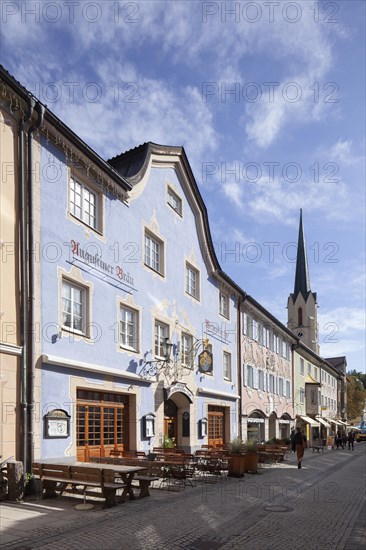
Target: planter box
(236, 465)
(251, 462)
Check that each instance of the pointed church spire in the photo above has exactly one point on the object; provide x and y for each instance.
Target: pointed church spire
(302, 281)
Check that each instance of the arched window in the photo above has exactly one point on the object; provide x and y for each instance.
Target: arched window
(299, 315)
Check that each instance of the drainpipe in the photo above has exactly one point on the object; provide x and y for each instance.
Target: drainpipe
(241, 301)
(293, 348)
(23, 277)
(31, 334)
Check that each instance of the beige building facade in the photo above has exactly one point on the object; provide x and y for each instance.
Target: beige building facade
(10, 290)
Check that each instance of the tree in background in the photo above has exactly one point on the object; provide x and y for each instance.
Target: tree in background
(356, 394)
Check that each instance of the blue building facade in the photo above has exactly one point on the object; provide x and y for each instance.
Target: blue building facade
(138, 321)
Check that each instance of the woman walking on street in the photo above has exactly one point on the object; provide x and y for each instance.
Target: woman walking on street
(300, 444)
(351, 440)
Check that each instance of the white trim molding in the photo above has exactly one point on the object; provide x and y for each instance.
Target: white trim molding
(80, 365)
(218, 393)
(11, 349)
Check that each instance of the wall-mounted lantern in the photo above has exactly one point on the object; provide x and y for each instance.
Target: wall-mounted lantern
(203, 427)
(148, 423)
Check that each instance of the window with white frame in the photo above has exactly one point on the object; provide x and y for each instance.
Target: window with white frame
(280, 386)
(249, 376)
(248, 325)
(288, 351)
(74, 306)
(260, 334)
(174, 201)
(83, 203)
(266, 336)
(284, 349)
(288, 389)
(154, 253)
(192, 282)
(224, 304)
(271, 341)
(276, 341)
(315, 373)
(301, 365)
(128, 328)
(271, 383)
(161, 334)
(302, 395)
(227, 365)
(260, 380)
(309, 368)
(186, 350)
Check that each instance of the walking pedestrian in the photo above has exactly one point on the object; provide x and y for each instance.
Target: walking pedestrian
(344, 440)
(351, 440)
(292, 436)
(300, 444)
(338, 440)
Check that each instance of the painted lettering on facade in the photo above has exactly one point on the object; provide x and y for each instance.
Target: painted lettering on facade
(96, 261)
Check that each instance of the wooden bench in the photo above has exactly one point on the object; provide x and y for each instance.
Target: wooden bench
(153, 471)
(144, 484)
(55, 477)
(318, 448)
(278, 454)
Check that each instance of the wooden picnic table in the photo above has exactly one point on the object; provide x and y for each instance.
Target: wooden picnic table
(83, 473)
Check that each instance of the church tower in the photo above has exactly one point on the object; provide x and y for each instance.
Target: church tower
(302, 308)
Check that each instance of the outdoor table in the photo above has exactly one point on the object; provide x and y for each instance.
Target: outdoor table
(125, 472)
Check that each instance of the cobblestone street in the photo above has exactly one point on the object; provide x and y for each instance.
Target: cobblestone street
(321, 506)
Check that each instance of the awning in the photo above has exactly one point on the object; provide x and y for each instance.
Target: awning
(324, 422)
(342, 423)
(313, 423)
(333, 420)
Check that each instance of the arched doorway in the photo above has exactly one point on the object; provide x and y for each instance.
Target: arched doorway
(171, 420)
(284, 425)
(177, 401)
(256, 426)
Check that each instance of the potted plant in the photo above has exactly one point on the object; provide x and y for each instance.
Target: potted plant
(236, 458)
(251, 456)
(168, 443)
(32, 485)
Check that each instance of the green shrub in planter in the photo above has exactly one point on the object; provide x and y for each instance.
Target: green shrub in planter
(236, 446)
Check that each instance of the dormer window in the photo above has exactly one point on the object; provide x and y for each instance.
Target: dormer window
(174, 201)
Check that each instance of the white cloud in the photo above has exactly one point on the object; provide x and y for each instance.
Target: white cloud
(234, 192)
(344, 319)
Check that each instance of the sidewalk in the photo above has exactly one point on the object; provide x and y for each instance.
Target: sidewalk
(323, 501)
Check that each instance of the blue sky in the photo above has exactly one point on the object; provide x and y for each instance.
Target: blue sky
(268, 99)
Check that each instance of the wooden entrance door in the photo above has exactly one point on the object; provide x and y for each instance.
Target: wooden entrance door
(216, 426)
(101, 423)
(170, 427)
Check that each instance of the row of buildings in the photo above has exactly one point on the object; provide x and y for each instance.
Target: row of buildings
(118, 325)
